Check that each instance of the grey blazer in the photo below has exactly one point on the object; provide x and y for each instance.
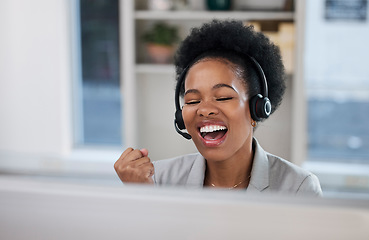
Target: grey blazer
(269, 174)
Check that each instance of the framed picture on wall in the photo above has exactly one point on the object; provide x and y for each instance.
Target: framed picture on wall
(352, 10)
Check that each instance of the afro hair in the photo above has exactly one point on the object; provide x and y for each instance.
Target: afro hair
(228, 36)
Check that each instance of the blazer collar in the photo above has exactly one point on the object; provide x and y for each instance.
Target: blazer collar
(259, 173)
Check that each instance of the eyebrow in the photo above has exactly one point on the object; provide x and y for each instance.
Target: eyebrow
(217, 86)
(220, 85)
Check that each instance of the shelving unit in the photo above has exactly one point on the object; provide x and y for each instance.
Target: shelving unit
(139, 72)
(200, 16)
(208, 15)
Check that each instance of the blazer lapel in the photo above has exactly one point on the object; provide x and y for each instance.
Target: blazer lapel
(197, 173)
(260, 170)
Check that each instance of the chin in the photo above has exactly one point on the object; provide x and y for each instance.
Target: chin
(212, 154)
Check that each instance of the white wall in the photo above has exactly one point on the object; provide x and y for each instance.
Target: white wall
(35, 85)
(35, 77)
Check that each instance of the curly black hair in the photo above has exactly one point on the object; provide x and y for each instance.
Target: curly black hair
(232, 41)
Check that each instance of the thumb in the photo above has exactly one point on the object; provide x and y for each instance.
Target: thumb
(144, 152)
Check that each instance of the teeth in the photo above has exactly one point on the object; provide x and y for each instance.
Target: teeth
(212, 128)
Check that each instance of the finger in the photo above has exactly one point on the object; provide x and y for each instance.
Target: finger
(139, 162)
(144, 152)
(134, 155)
(125, 153)
(121, 158)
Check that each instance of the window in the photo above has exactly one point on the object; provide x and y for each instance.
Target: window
(100, 116)
(337, 82)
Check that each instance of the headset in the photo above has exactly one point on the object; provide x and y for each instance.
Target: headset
(260, 105)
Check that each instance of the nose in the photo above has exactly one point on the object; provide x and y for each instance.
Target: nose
(207, 109)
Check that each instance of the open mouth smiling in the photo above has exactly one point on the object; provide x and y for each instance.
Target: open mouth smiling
(213, 134)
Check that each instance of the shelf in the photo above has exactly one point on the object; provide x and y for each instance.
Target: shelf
(155, 68)
(209, 15)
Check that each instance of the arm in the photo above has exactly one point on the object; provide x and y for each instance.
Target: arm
(310, 186)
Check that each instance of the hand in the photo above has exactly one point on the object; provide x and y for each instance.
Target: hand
(134, 166)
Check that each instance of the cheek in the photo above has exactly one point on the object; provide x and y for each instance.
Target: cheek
(240, 108)
(241, 115)
(187, 115)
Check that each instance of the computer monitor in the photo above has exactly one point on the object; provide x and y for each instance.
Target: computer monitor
(35, 209)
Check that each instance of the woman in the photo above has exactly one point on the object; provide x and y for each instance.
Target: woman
(230, 78)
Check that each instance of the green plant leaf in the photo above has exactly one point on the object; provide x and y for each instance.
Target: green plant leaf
(161, 33)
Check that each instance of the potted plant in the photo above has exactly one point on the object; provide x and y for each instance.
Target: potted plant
(160, 41)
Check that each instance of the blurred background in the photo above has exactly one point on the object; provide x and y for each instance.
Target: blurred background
(81, 80)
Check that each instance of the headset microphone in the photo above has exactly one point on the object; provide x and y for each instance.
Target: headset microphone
(184, 134)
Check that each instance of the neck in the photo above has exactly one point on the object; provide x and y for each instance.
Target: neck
(234, 172)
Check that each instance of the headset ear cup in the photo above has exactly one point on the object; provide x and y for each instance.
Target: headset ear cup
(260, 107)
(266, 108)
(253, 109)
(179, 120)
(263, 107)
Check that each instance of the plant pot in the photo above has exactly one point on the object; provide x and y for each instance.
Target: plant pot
(160, 5)
(160, 53)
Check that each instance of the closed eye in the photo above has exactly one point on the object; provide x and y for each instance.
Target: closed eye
(224, 99)
(192, 102)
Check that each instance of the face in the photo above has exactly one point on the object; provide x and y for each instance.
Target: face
(216, 111)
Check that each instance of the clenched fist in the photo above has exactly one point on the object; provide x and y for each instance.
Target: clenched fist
(134, 166)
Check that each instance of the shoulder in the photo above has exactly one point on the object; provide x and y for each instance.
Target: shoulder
(286, 176)
(175, 171)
